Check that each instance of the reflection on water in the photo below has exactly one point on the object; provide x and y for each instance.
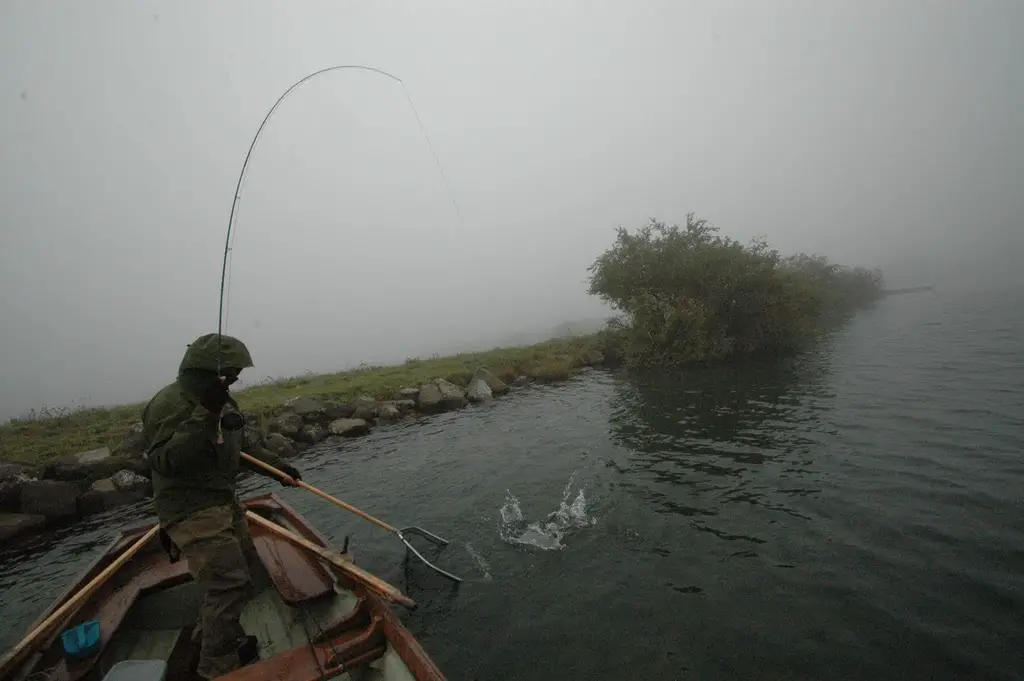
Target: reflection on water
(728, 436)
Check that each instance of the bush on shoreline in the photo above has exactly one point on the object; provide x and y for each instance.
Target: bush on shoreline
(687, 294)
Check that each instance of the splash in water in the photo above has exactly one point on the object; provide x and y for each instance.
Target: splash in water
(548, 534)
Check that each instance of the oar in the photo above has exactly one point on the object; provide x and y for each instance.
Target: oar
(16, 654)
(366, 516)
(368, 579)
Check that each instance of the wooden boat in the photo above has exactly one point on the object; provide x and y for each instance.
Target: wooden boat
(316, 621)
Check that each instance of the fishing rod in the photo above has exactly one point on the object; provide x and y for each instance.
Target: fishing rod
(438, 541)
(245, 165)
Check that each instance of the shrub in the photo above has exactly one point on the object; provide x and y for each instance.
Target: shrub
(690, 295)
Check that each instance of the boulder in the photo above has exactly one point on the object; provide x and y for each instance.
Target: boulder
(366, 412)
(91, 502)
(87, 466)
(521, 382)
(335, 410)
(593, 358)
(135, 444)
(453, 397)
(280, 445)
(306, 407)
(496, 385)
(10, 496)
(311, 433)
(124, 487)
(349, 427)
(409, 394)
(429, 399)
(288, 424)
(405, 406)
(93, 456)
(252, 436)
(52, 499)
(104, 485)
(13, 477)
(441, 395)
(17, 472)
(129, 481)
(14, 525)
(479, 391)
(366, 400)
(140, 466)
(389, 413)
(301, 447)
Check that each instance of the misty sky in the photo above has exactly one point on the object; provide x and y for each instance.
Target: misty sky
(876, 132)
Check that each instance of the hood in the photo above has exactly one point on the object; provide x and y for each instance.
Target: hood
(213, 352)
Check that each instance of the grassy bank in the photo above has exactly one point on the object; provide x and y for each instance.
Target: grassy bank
(39, 440)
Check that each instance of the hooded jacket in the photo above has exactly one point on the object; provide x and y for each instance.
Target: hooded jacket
(190, 470)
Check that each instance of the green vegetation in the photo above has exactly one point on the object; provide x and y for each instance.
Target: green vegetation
(690, 295)
(49, 435)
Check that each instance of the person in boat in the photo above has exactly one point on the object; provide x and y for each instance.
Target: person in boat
(195, 434)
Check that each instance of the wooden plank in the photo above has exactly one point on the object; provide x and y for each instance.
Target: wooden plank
(338, 562)
(405, 644)
(297, 576)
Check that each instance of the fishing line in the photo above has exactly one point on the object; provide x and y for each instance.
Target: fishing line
(232, 218)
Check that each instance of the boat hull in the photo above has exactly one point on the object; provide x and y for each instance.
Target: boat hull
(313, 622)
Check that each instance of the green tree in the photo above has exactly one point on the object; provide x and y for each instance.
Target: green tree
(688, 294)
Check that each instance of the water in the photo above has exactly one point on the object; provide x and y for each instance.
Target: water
(853, 514)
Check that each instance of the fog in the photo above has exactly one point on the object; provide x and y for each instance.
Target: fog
(877, 133)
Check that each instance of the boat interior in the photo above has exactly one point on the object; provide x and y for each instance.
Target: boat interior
(311, 622)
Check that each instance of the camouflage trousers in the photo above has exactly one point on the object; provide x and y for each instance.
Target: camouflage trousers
(223, 560)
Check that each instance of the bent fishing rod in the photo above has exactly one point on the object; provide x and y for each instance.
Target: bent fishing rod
(229, 236)
(228, 240)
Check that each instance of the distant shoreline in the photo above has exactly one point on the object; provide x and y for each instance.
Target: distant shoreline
(54, 434)
(910, 289)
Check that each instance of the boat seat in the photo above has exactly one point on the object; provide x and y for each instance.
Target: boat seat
(137, 670)
(298, 577)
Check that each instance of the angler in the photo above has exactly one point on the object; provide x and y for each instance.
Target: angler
(196, 435)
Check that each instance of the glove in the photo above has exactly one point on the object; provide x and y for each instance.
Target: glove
(291, 471)
(215, 397)
(170, 548)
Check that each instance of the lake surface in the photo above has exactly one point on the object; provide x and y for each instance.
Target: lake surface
(856, 513)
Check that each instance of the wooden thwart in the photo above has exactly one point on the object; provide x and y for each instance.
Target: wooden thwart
(370, 581)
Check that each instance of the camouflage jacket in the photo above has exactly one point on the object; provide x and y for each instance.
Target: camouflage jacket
(190, 470)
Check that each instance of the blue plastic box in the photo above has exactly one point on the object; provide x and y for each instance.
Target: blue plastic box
(82, 641)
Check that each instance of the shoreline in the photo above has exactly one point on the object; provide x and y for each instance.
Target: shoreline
(57, 470)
